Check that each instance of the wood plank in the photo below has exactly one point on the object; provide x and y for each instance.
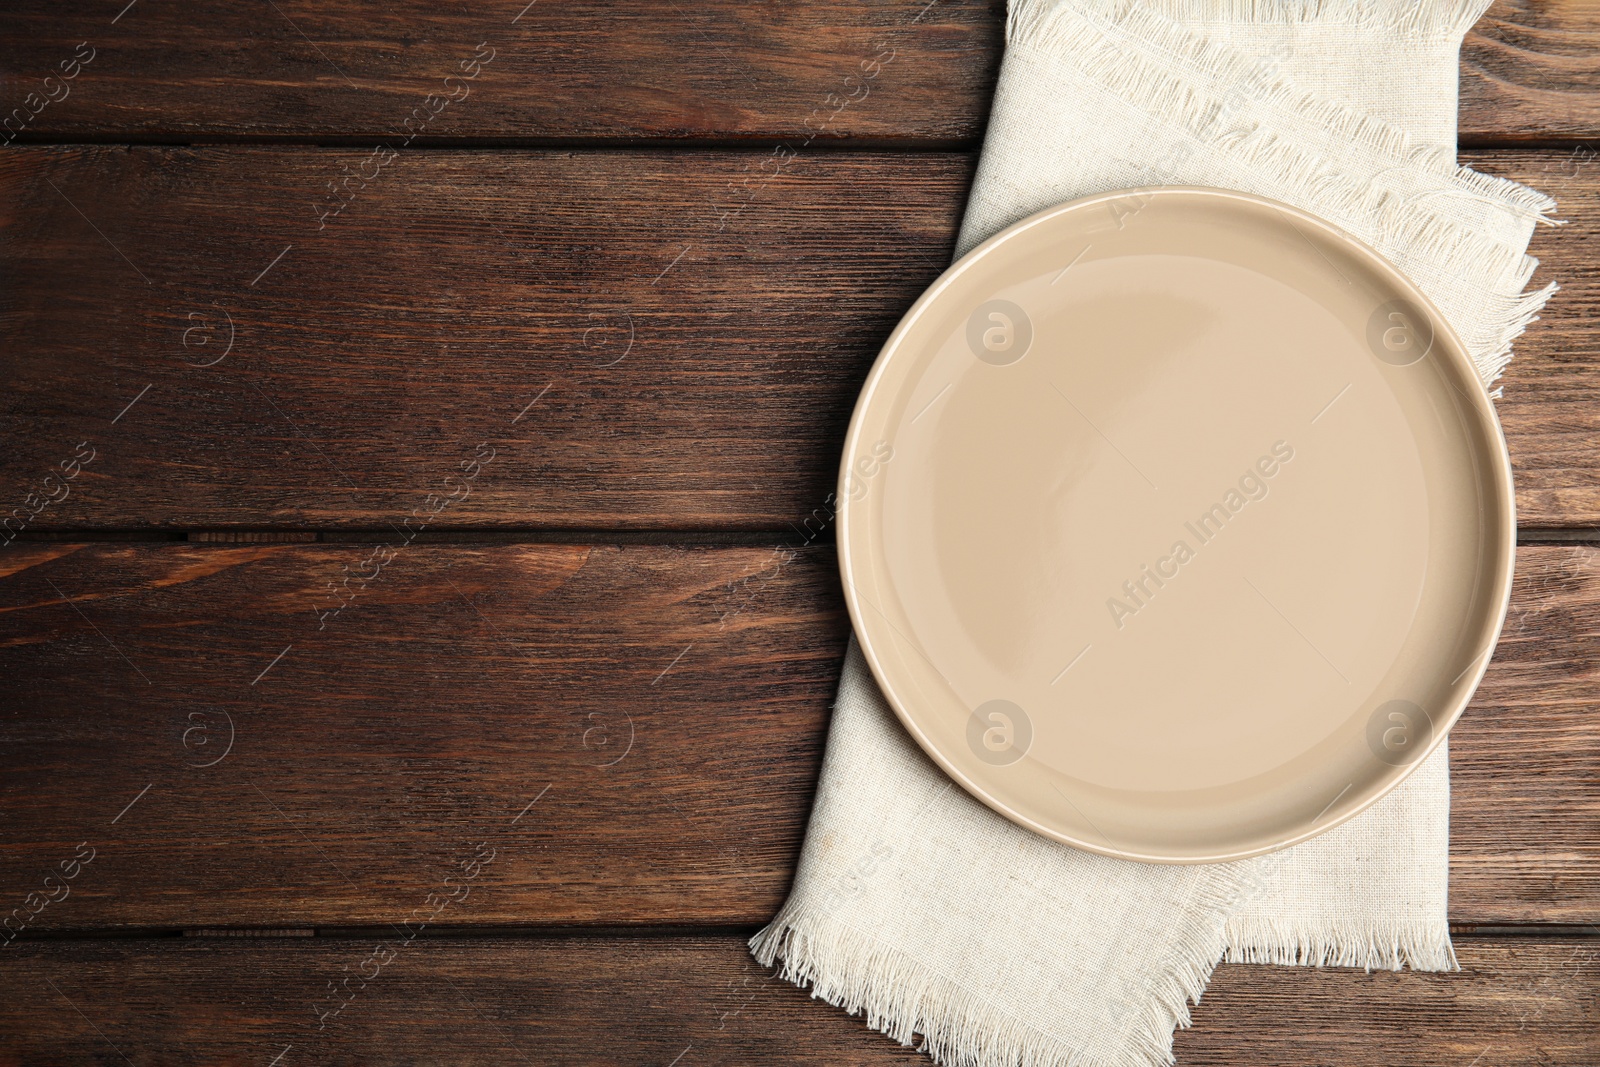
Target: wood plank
(636, 69)
(1548, 408)
(1514, 1002)
(641, 350)
(668, 755)
(1530, 71)
(374, 749)
(717, 69)
(638, 351)
(1533, 727)
(702, 1000)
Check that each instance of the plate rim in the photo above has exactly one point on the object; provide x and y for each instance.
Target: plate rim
(1479, 402)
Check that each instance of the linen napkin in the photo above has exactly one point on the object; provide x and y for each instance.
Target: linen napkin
(989, 945)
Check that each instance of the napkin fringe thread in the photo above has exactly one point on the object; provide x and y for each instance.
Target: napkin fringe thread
(1130, 55)
(1387, 947)
(906, 999)
(1426, 21)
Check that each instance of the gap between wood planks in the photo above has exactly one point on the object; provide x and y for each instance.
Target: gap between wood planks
(1534, 535)
(756, 143)
(557, 932)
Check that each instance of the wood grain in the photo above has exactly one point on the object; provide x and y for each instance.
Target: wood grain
(639, 351)
(1551, 420)
(375, 748)
(717, 69)
(1514, 1002)
(647, 340)
(1533, 722)
(590, 69)
(1530, 71)
(702, 1000)
(662, 715)
(255, 735)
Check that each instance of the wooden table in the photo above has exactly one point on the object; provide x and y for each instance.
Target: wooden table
(419, 628)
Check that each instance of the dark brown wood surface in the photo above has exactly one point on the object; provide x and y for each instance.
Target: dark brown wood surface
(447, 532)
(671, 700)
(682, 372)
(718, 69)
(699, 1001)
(690, 363)
(666, 714)
(1548, 408)
(1530, 71)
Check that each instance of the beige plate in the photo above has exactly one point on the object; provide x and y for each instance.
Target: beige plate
(1175, 524)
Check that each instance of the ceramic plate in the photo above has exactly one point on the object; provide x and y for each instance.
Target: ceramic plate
(1175, 524)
